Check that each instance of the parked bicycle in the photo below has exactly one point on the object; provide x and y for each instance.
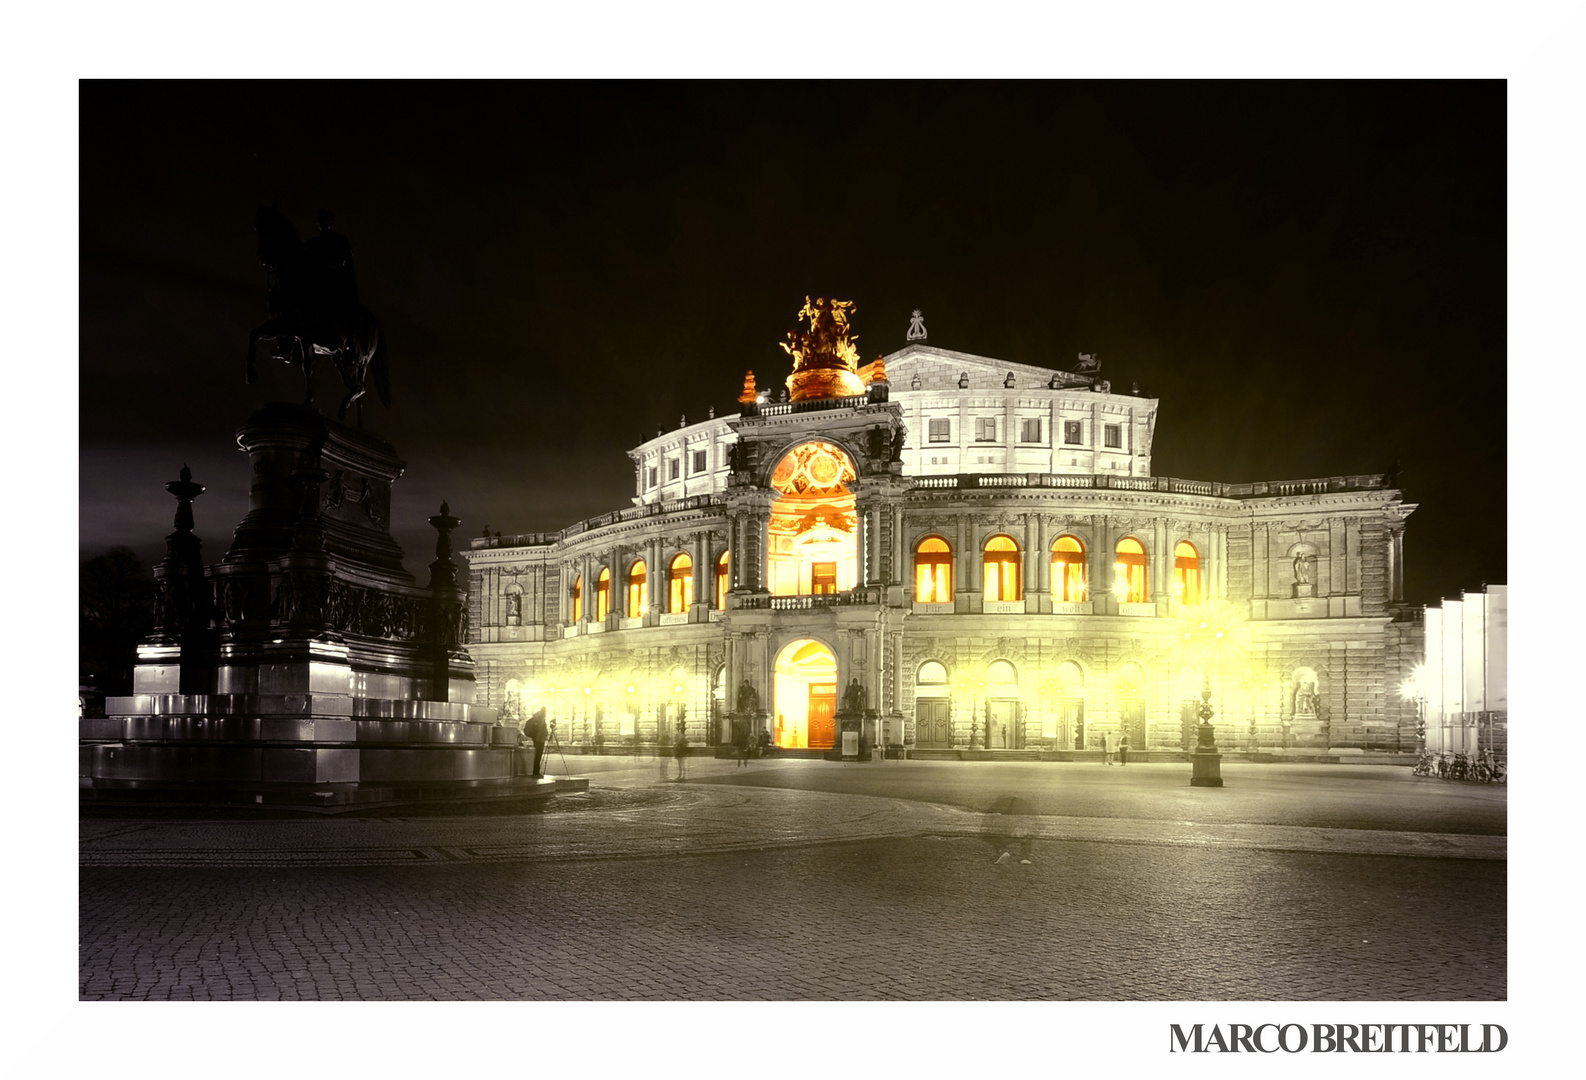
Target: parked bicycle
(1489, 770)
(1426, 765)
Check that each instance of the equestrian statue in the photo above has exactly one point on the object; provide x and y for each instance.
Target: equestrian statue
(314, 309)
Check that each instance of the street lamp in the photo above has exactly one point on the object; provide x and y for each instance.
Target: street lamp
(1252, 685)
(1413, 688)
(972, 685)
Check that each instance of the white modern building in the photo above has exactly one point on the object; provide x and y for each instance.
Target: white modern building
(1463, 685)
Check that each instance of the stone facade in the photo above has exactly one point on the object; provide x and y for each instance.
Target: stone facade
(991, 464)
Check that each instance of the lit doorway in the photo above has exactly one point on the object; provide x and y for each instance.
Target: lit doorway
(1002, 708)
(804, 696)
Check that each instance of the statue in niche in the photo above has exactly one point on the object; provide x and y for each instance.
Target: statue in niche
(748, 698)
(854, 698)
(1303, 562)
(1304, 573)
(1305, 698)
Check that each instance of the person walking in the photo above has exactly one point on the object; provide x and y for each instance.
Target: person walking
(537, 732)
(740, 739)
(1123, 749)
(680, 750)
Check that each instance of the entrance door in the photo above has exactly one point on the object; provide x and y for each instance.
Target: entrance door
(1001, 722)
(933, 725)
(1072, 723)
(1134, 722)
(823, 715)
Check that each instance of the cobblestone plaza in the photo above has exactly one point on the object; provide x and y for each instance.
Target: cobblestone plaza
(813, 880)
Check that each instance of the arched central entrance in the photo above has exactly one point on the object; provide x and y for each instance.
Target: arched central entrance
(804, 696)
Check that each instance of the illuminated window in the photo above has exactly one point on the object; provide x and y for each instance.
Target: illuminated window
(986, 430)
(1187, 573)
(680, 585)
(1030, 431)
(638, 590)
(933, 571)
(1070, 582)
(1129, 572)
(603, 594)
(940, 430)
(823, 578)
(1073, 432)
(699, 461)
(1112, 435)
(672, 467)
(578, 599)
(932, 673)
(1002, 569)
(721, 582)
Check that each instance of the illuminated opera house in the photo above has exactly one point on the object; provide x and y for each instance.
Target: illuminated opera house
(973, 555)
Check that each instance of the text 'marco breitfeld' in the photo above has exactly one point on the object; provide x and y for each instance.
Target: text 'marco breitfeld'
(1337, 1038)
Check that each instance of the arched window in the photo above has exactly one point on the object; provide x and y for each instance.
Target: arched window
(1129, 582)
(932, 673)
(933, 571)
(1002, 570)
(1187, 573)
(578, 599)
(721, 582)
(680, 585)
(1002, 679)
(1070, 583)
(638, 590)
(603, 593)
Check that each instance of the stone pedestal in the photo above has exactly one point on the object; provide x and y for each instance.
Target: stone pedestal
(306, 668)
(1205, 760)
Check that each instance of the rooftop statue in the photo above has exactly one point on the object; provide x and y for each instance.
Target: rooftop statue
(314, 309)
(825, 362)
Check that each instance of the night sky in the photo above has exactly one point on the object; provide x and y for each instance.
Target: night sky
(1310, 276)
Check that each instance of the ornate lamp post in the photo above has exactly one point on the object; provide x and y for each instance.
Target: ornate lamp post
(1205, 635)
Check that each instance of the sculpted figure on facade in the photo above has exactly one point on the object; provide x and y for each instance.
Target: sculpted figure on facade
(854, 698)
(748, 698)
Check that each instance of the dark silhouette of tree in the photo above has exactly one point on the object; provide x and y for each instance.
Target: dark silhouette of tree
(115, 610)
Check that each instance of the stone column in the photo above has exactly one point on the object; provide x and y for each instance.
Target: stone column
(899, 558)
(861, 544)
(1260, 587)
(962, 583)
(1101, 559)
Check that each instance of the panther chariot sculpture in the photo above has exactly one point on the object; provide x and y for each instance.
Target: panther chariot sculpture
(314, 310)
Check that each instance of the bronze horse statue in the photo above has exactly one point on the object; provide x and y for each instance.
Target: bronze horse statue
(314, 310)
